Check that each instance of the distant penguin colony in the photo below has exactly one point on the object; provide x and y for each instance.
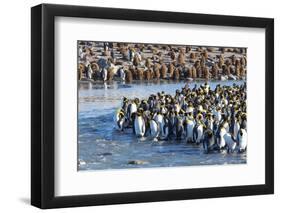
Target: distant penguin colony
(112, 61)
(215, 120)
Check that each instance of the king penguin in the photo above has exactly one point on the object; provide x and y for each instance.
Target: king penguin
(120, 119)
(198, 130)
(154, 129)
(208, 141)
(139, 125)
(189, 126)
(242, 140)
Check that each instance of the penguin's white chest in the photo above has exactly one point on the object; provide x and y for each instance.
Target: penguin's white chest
(139, 126)
(119, 121)
(177, 108)
(242, 140)
(229, 142)
(222, 142)
(189, 109)
(133, 108)
(160, 120)
(189, 129)
(154, 130)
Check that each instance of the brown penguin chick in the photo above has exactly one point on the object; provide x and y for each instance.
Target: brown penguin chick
(197, 64)
(237, 71)
(163, 70)
(147, 75)
(171, 69)
(87, 51)
(233, 59)
(221, 61)
(156, 70)
(194, 73)
(205, 53)
(227, 70)
(150, 70)
(157, 74)
(95, 68)
(192, 55)
(199, 72)
(148, 62)
(202, 61)
(176, 74)
(206, 73)
(133, 72)
(215, 70)
(181, 59)
(189, 72)
(139, 73)
(232, 69)
(136, 61)
(182, 50)
(242, 71)
(237, 63)
(243, 61)
(227, 62)
(124, 52)
(199, 49)
(110, 74)
(129, 76)
(81, 70)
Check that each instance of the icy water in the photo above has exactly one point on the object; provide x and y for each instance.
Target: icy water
(100, 146)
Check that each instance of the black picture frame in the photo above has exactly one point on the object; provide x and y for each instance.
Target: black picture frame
(43, 105)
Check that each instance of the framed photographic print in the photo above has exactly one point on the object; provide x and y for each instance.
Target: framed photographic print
(140, 106)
